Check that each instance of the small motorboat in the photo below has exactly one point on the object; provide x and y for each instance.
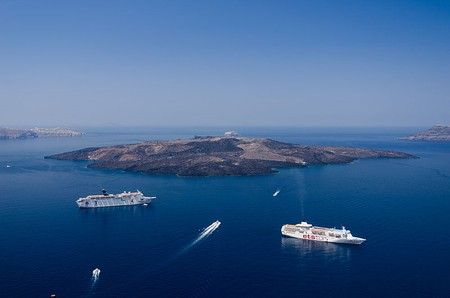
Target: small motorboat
(96, 273)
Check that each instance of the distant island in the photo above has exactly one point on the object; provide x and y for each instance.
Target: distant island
(14, 133)
(218, 156)
(435, 133)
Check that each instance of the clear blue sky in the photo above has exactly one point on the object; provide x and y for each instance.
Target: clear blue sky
(232, 63)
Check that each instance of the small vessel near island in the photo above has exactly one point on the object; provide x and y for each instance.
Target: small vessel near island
(276, 193)
(113, 200)
(307, 231)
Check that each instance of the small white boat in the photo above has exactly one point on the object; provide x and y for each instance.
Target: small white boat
(276, 193)
(8, 166)
(96, 273)
(212, 227)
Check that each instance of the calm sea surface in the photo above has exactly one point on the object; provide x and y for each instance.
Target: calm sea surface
(402, 207)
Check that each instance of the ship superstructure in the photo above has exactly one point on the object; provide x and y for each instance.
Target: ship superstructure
(307, 231)
(113, 200)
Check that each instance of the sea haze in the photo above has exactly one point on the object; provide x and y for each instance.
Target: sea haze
(401, 206)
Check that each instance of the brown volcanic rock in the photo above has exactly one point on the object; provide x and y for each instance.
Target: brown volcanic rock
(218, 156)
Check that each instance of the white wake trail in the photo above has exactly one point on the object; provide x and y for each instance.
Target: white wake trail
(205, 233)
(94, 279)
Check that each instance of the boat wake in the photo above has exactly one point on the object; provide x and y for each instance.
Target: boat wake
(94, 279)
(95, 275)
(204, 234)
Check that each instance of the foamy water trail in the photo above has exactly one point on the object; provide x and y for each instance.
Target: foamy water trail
(302, 195)
(94, 279)
(204, 234)
(301, 206)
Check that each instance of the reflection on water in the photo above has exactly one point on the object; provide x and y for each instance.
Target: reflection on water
(307, 249)
(114, 211)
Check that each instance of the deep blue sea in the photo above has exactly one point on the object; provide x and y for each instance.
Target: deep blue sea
(402, 206)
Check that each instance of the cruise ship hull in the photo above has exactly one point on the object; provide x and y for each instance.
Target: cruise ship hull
(125, 199)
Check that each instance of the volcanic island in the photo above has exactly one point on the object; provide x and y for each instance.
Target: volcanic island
(218, 156)
(435, 133)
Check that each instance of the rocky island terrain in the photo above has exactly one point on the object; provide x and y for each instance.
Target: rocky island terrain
(218, 156)
(15, 133)
(435, 133)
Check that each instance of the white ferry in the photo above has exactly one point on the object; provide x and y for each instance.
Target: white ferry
(307, 231)
(111, 200)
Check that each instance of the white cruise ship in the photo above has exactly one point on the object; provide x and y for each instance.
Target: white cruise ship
(307, 231)
(111, 200)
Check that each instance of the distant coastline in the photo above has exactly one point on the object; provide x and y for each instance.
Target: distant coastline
(15, 133)
(218, 156)
(435, 133)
